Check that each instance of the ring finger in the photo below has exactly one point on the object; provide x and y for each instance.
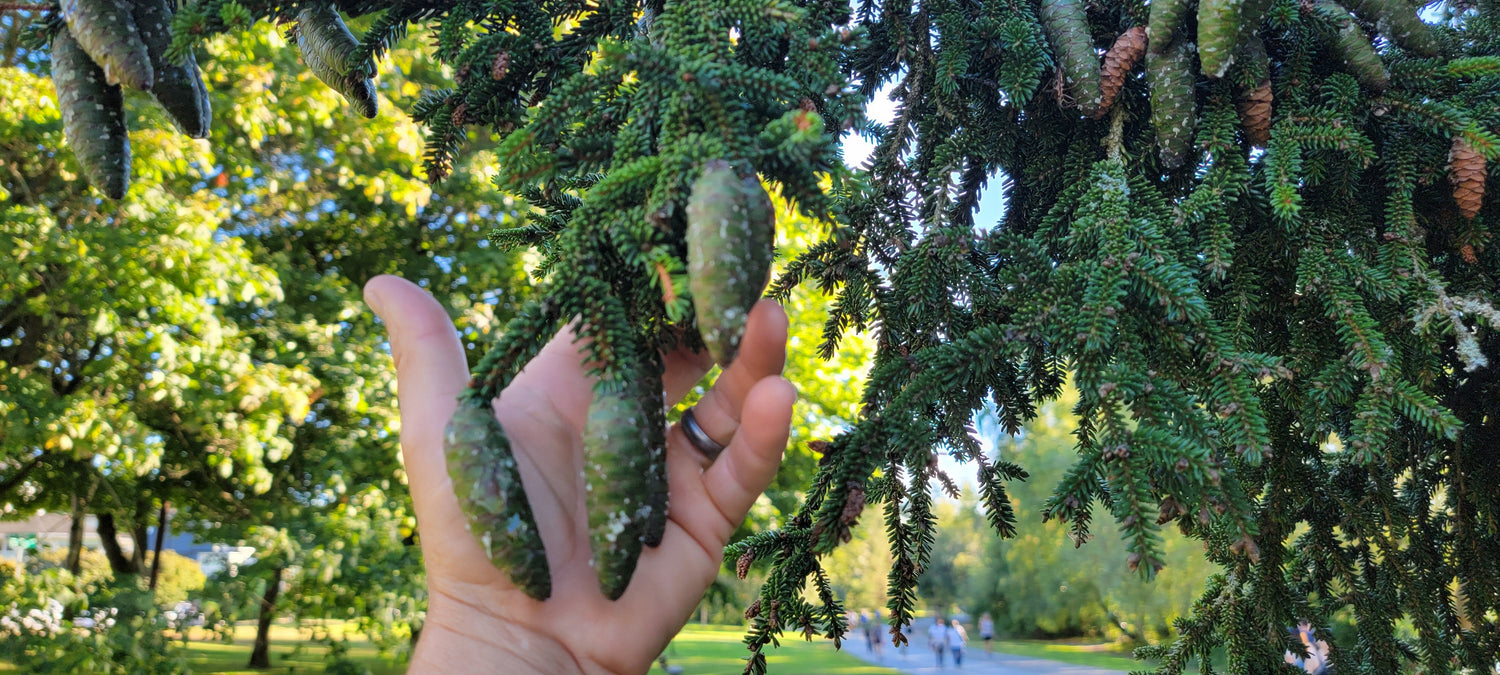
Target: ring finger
(762, 354)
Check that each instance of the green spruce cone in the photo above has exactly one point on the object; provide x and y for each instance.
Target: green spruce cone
(328, 49)
(93, 112)
(1254, 62)
(178, 88)
(731, 230)
(361, 93)
(1067, 27)
(323, 33)
(1219, 28)
(487, 482)
(1354, 47)
(1173, 103)
(106, 31)
(655, 508)
(1252, 15)
(617, 457)
(1165, 18)
(1398, 21)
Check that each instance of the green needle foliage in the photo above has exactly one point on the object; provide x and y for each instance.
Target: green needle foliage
(1227, 300)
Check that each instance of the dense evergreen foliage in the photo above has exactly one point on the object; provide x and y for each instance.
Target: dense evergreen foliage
(1275, 237)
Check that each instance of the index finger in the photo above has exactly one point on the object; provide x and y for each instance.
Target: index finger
(430, 373)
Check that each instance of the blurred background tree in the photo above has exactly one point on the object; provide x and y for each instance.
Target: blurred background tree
(1043, 583)
(203, 344)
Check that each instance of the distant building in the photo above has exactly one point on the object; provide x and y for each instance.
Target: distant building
(50, 530)
(47, 530)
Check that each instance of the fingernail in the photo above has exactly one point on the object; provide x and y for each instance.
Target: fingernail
(376, 303)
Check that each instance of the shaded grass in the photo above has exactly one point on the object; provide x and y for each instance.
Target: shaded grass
(717, 650)
(292, 651)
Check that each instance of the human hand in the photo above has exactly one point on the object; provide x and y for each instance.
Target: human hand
(477, 621)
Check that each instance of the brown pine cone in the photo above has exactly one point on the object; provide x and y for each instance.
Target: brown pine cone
(1118, 62)
(500, 67)
(854, 505)
(742, 566)
(1255, 113)
(1466, 170)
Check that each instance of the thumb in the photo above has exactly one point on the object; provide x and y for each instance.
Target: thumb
(430, 373)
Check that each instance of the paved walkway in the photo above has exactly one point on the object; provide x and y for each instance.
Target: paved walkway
(919, 659)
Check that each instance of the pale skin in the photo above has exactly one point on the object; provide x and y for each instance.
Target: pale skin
(477, 621)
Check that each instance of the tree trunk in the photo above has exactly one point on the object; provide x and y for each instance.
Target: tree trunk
(260, 657)
(75, 536)
(161, 530)
(142, 542)
(108, 537)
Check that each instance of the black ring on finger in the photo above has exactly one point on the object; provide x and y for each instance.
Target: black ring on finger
(699, 438)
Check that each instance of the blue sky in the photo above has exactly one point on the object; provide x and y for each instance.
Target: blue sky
(856, 151)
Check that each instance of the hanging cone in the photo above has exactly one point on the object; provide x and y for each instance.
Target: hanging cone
(1466, 170)
(1172, 77)
(93, 113)
(487, 483)
(1219, 29)
(1398, 20)
(328, 49)
(106, 30)
(1252, 15)
(1118, 63)
(1354, 47)
(1165, 18)
(1067, 27)
(178, 88)
(1255, 113)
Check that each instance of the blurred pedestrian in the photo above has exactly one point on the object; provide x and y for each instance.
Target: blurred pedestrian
(987, 631)
(873, 636)
(957, 638)
(1316, 662)
(937, 638)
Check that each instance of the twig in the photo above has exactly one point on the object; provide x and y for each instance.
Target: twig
(1115, 142)
(23, 7)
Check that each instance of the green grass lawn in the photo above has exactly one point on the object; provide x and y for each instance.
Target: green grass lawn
(717, 650)
(1105, 655)
(700, 650)
(290, 653)
(1082, 652)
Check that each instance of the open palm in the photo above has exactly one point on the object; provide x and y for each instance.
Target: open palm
(477, 620)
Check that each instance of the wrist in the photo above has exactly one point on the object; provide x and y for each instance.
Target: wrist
(458, 638)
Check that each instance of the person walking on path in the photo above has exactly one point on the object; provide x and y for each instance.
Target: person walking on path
(987, 632)
(1317, 650)
(873, 636)
(957, 638)
(937, 638)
